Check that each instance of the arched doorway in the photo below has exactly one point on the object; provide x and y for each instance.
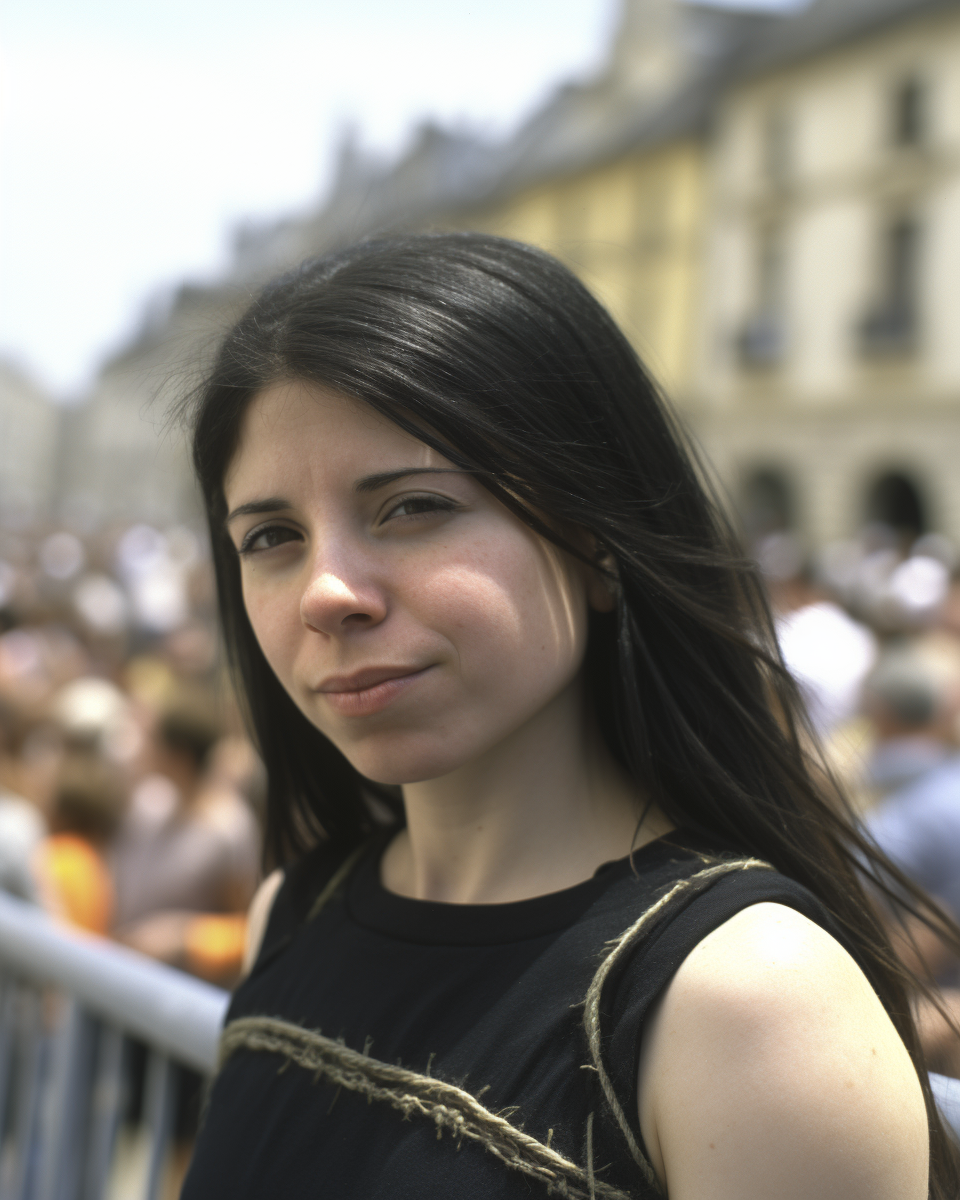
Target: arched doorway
(767, 502)
(895, 499)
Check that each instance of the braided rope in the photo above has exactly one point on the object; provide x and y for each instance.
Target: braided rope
(591, 1011)
(452, 1108)
(449, 1107)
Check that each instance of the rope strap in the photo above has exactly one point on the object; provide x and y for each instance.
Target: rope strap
(447, 1106)
(619, 946)
(450, 1107)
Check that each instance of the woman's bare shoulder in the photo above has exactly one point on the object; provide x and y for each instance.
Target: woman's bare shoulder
(770, 1067)
(258, 917)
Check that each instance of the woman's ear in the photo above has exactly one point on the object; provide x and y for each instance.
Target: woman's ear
(603, 586)
(602, 578)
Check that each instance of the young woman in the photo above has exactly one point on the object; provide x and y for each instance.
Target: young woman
(563, 908)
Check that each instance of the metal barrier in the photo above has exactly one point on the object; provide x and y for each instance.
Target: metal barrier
(946, 1092)
(72, 1007)
(69, 1005)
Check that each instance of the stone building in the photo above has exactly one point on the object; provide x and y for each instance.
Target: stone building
(827, 381)
(625, 148)
(29, 447)
(768, 204)
(126, 457)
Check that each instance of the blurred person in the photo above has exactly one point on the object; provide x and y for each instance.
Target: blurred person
(950, 611)
(939, 647)
(915, 770)
(22, 825)
(914, 594)
(911, 717)
(826, 651)
(191, 650)
(466, 565)
(151, 681)
(37, 657)
(91, 712)
(235, 764)
(70, 864)
(23, 676)
(32, 769)
(185, 862)
(22, 829)
(917, 764)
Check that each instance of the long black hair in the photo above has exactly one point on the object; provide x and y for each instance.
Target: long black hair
(496, 355)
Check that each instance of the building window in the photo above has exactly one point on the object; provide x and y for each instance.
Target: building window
(766, 502)
(777, 146)
(762, 340)
(908, 112)
(891, 325)
(895, 500)
(770, 270)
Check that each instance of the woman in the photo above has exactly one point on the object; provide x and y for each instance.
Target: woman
(563, 909)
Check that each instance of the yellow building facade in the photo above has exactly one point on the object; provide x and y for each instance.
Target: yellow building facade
(753, 259)
(828, 351)
(632, 230)
(768, 206)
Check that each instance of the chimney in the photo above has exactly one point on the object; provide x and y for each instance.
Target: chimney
(648, 58)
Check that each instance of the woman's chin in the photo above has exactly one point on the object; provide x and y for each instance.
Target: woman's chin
(396, 774)
(414, 765)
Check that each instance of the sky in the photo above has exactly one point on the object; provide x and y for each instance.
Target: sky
(134, 138)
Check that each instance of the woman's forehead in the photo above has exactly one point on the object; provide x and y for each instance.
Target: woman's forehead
(294, 428)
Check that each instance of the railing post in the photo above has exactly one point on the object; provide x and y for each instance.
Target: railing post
(106, 1102)
(66, 1090)
(158, 1111)
(8, 1016)
(63, 1093)
(28, 1093)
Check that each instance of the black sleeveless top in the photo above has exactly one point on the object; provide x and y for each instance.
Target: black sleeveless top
(425, 1050)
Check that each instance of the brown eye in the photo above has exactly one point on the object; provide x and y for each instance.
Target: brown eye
(419, 506)
(266, 538)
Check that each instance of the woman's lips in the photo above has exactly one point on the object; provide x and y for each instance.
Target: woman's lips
(368, 691)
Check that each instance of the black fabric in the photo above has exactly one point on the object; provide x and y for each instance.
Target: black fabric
(483, 996)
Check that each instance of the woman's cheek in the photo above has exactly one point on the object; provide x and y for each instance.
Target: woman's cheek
(514, 625)
(275, 629)
(473, 607)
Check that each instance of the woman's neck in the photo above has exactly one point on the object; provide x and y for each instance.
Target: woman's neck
(539, 812)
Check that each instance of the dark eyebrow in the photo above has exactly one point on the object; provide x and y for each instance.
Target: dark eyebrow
(269, 505)
(370, 483)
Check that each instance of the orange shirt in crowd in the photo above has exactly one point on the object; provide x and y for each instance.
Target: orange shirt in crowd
(214, 945)
(74, 881)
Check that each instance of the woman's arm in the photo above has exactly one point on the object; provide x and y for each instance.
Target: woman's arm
(770, 1068)
(259, 916)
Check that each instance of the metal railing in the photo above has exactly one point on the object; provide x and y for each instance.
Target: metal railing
(73, 1010)
(70, 1005)
(946, 1092)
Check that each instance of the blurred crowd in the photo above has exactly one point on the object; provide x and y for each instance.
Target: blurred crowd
(870, 629)
(130, 799)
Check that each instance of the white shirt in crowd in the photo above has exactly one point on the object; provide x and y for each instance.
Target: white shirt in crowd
(829, 654)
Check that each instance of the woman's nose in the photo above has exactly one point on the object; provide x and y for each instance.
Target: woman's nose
(332, 604)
